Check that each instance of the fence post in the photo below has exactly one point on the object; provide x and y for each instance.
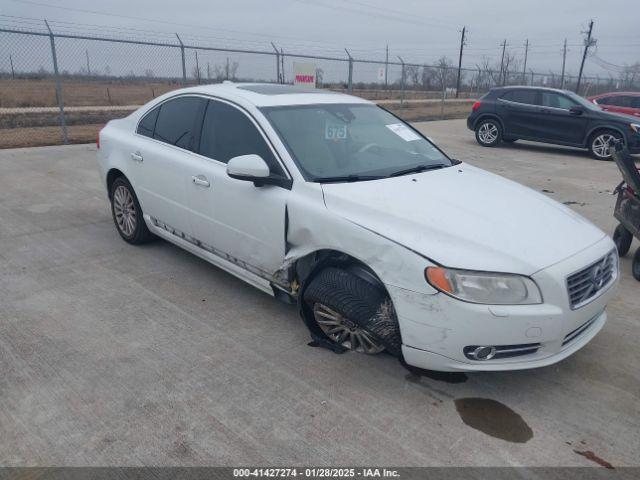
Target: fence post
(350, 82)
(63, 122)
(184, 66)
(277, 63)
(402, 83)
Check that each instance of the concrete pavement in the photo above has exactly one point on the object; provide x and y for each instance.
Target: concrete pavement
(118, 355)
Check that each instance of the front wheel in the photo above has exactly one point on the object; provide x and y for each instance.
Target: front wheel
(352, 312)
(488, 133)
(635, 265)
(601, 142)
(622, 238)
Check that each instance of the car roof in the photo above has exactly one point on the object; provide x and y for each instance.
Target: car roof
(617, 94)
(528, 87)
(272, 94)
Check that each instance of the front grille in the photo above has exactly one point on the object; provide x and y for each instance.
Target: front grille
(569, 337)
(585, 285)
(503, 351)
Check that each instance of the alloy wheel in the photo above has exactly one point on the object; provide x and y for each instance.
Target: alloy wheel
(488, 133)
(601, 143)
(125, 210)
(345, 332)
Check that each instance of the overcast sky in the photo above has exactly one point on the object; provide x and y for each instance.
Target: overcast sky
(418, 30)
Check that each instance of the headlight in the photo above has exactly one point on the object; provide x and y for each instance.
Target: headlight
(635, 127)
(484, 287)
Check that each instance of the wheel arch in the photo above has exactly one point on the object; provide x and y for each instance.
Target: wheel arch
(307, 266)
(112, 175)
(596, 129)
(485, 116)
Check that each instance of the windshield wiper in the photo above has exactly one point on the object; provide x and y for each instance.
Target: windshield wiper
(418, 169)
(347, 178)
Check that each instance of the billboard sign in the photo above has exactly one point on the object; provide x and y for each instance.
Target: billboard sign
(304, 74)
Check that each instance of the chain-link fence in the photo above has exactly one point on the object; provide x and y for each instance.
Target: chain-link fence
(60, 87)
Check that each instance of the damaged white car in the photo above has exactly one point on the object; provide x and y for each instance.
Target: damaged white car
(384, 242)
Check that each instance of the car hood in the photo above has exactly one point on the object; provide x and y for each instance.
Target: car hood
(465, 217)
(618, 116)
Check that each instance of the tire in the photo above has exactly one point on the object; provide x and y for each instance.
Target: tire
(622, 238)
(598, 144)
(127, 214)
(635, 265)
(352, 312)
(488, 132)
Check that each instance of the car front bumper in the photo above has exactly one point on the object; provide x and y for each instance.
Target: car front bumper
(436, 328)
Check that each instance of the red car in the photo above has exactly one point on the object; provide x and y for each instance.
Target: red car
(619, 102)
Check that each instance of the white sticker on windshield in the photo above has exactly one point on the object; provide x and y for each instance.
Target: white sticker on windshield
(335, 131)
(403, 132)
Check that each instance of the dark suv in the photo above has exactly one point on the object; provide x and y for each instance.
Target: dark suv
(551, 116)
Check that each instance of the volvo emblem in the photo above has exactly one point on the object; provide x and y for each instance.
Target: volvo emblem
(597, 277)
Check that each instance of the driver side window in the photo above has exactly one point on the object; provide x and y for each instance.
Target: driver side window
(556, 100)
(227, 132)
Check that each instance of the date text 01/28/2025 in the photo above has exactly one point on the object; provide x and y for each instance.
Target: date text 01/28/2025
(322, 472)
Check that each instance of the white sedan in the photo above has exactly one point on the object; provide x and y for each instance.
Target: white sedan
(382, 240)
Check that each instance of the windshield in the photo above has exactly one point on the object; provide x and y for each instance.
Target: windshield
(342, 142)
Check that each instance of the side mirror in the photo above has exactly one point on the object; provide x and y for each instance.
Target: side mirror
(247, 167)
(576, 110)
(252, 168)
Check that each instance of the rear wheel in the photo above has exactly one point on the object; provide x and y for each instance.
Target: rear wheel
(488, 133)
(622, 238)
(600, 142)
(352, 312)
(127, 214)
(635, 265)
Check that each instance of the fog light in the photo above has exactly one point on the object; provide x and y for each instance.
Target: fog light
(480, 353)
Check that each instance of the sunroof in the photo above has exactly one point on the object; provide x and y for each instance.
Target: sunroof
(277, 89)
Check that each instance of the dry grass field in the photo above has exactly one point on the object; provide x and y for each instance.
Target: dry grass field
(30, 117)
(26, 93)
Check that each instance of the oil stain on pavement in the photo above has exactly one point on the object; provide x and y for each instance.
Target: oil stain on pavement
(494, 419)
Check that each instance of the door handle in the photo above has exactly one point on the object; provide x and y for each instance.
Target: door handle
(137, 157)
(201, 180)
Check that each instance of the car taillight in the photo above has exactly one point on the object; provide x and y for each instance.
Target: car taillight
(476, 106)
(98, 138)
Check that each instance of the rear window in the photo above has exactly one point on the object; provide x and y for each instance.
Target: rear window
(528, 97)
(178, 121)
(148, 123)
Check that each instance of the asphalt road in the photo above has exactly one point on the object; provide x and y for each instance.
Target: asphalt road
(119, 355)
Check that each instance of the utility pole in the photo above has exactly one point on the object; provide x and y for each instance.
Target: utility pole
(462, 43)
(13, 73)
(587, 43)
(227, 70)
(88, 67)
(386, 68)
(564, 60)
(526, 51)
(502, 75)
(208, 71)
